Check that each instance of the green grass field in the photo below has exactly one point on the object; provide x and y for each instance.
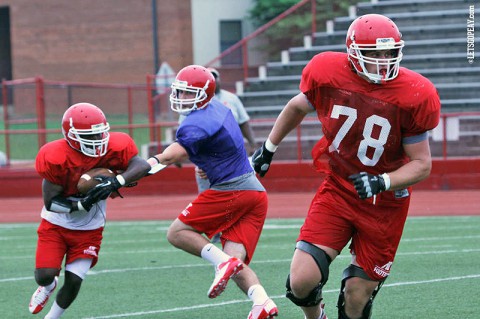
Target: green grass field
(140, 275)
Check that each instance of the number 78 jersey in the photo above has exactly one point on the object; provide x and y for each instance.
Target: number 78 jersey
(366, 124)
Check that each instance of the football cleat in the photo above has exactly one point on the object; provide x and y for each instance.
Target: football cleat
(267, 310)
(223, 273)
(40, 298)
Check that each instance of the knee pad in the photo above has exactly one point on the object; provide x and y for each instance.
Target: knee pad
(313, 299)
(321, 258)
(349, 272)
(323, 262)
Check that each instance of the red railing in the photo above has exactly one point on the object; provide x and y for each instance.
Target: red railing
(127, 105)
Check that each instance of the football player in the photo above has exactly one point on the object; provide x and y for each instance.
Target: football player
(375, 118)
(235, 204)
(72, 225)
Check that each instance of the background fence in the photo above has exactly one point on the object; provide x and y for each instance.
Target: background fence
(33, 108)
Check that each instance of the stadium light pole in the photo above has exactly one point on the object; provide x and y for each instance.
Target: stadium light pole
(155, 36)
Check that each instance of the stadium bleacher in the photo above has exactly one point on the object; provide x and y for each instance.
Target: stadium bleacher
(435, 35)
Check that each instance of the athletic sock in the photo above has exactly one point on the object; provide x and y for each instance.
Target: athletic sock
(214, 254)
(51, 286)
(257, 294)
(55, 312)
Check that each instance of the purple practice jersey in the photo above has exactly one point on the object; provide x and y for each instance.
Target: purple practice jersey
(214, 142)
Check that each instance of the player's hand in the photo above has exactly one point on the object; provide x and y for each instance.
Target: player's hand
(200, 173)
(107, 186)
(368, 185)
(90, 199)
(261, 160)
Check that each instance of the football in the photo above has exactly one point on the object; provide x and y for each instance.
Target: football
(87, 181)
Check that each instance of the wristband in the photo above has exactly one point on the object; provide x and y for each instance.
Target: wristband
(270, 146)
(120, 179)
(386, 179)
(155, 158)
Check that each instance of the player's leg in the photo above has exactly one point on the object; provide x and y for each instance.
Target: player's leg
(263, 307)
(373, 247)
(47, 279)
(48, 261)
(82, 254)
(243, 236)
(202, 185)
(357, 293)
(190, 240)
(309, 272)
(75, 272)
(324, 233)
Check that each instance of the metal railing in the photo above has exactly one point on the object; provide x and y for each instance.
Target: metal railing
(33, 117)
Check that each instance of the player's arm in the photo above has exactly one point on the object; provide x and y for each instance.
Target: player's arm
(414, 171)
(174, 153)
(55, 202)
(290, 117)
(137, 168)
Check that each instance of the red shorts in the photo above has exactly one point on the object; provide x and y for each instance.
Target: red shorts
(55, 242)
(337, 215)
(238, 215)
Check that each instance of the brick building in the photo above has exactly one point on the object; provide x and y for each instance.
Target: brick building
(94, 41)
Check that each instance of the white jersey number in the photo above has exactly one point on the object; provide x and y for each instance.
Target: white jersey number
(367, 141)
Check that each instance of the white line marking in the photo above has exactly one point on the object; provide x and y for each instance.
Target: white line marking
(141, 313)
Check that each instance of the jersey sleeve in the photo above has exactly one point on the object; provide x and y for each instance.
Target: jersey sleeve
(317, 74)
(425, 115)
(49, 164)
(122, 149)
(61, 165)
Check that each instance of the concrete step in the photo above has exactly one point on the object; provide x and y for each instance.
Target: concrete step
(405, 19)
(433, 46)
(400, 6)
(409, 33)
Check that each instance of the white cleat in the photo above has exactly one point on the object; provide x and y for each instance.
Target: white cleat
(267, 310)
(223, 273)
(40, 298)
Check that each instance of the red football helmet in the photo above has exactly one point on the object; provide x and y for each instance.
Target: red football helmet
(375, 32)
(85, 128)
(193, 79)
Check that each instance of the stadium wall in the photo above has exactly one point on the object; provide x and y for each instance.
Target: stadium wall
(452, 174)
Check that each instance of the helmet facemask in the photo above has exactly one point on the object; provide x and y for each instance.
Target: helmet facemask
(93, 142)
(185, 106)
(386, 68)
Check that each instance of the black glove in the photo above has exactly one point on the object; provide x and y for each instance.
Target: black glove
(90, 199)
(368, 185)
(107, 186)
(261, 160)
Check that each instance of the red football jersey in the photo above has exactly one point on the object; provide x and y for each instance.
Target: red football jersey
(62, 165)
(363, 123)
